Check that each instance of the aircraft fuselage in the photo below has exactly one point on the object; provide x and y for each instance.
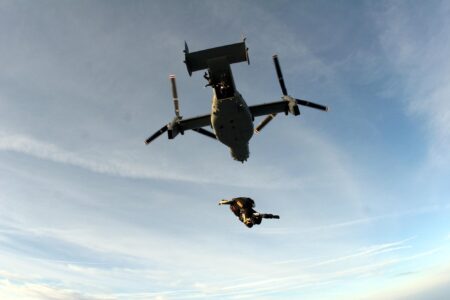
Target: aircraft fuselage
(232, 122)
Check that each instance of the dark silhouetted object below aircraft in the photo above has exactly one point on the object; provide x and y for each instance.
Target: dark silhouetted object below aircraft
(242, 207)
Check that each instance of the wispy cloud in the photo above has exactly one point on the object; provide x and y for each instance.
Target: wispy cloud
(367, 252)
(10, 290)
(251, 278)
(305, 280)
(118, 165)
(432, 283)
(364, 252)
(257, 175)
(356, 222)
(417, 48)
(31, 146)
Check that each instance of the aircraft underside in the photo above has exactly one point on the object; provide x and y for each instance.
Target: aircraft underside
(230, 117)
(233, 125)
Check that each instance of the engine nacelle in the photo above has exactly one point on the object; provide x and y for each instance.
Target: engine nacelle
(174, 128)
(292, 105)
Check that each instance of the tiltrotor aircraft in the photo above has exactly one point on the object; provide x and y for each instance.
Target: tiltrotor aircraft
(231, 118)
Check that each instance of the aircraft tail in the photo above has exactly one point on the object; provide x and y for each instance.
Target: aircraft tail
(198, 60)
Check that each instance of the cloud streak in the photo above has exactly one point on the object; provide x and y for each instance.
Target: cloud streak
(98, 163)
(417, 48)
(121, 163)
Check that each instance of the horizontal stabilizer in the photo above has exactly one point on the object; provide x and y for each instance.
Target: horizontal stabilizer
(198, 60)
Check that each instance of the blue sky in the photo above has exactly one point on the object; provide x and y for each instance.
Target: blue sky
(89, 212)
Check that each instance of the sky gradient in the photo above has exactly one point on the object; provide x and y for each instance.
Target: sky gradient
(87, 211)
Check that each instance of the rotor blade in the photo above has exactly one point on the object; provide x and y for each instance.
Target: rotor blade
(279, 74)
(311, 104)
(205, 132)
(264, 122)
(175, 95)
(156, 134)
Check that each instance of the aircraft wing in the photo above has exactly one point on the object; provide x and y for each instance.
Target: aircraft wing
(269, 108)
(195, 122)
(287, 105)
(180, 125)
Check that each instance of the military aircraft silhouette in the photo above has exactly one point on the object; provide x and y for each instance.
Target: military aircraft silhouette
(231, 118)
